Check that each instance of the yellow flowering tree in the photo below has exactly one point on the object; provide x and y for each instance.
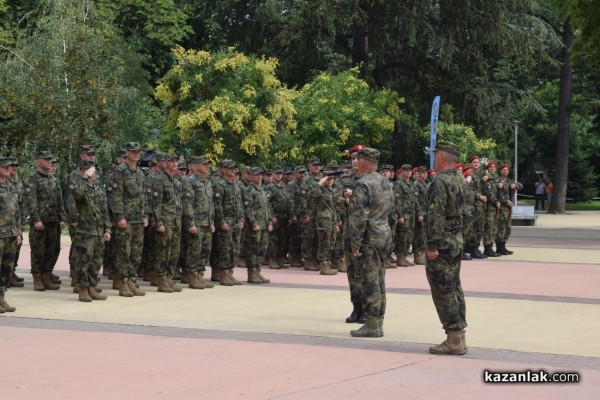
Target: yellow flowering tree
(224, 104)
(335, 112)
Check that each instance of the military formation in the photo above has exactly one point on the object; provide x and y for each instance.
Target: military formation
(170, 220)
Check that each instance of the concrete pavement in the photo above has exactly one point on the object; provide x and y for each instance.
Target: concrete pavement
(537, 309)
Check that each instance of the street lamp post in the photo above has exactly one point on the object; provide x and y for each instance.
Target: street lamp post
(516, 168)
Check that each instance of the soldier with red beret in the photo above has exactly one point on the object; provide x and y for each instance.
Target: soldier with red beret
(506, 193)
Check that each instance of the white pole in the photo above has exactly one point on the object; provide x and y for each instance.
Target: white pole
(516, 168)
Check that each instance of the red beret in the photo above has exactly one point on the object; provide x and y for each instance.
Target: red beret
(466, 168)
(430, 171)
(466, 173)
(356, 148)
(415, 170)
(505, 165)
(398, 171)
(489, 164)
(473, 158)
(458, 165)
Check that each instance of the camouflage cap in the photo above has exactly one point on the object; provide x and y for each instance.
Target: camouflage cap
(406, 167)
(277, 169)
(230, 164)
(5, 162)
(121, 153)
(386, 166)
(345, 164)
(45, 154)
(332, 164)
(287, 171)
(214, 172)
(314, 161)
(85, 164)
(300, 168)
(87, 148)
(447, 147)
(181, 164)
(423, 168)
(369, 154)
(255, 171)
(133, 146)
(170, 156)
(267, 172)
(199, 160)
(13, 160)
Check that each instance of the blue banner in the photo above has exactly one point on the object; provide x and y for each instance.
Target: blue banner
(435, 112)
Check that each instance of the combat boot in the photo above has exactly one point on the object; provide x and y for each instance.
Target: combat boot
(124, 290)
(500, 250)
(215, 274)
(200, 276)
(252, 277)
(393, 257)
(184, 276)
(54, 278)
(47, 282)
(37, 283)
(225, 281)
(273, 264)
(391, 263)
(2, 310)
(454, 345)
(172, 284)
(488, 251)
(355, 315)
(116, 283)
(381, 326)
(17, 277)
(282, 262)
(95, 295)
(133, 287)
(310, 265)
(83, 294)
(476, 253)
(232, 278)
(410, 263)
(369, 329)
(163, 286)
(508, 252)
(14, 282)
(325, 270)
(402, 261)
(4, 305)
(340, 265)
(420, 258)
(194, 282)
(296, 261)
(261, 277)
(465, 255)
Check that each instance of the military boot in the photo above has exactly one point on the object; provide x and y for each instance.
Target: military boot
(402, 261)
(282, 262)
(310, 264)
(476, 253)
(391, 263)
(200, 276)
(508, 252)
(17, 277)
(325, 269)
(163, 286)
(133, 287)
(83, 294)
(123, 286)
(369, 329)
(465, 254)
(14, 282)
(172, 284)
(54, 278)
(184, 276)
(47, 282)
(355, 315)
(273, 264)
(194, 282)
(393, 257)
(4, 305)
(2, 310)
(420, 258)
(37, 283)
(340, 265)
(454, 345)
(95, 295)
(381, 326)
(295, 262)
(252, 277)
(232, 278)
(225, 281)
(261, 277)
(116, 283)
(488, 251)
(500, 250)
(215, 274)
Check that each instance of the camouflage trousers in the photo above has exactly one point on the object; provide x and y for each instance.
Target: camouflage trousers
(467, 227)
(418, 242)
(199, 249)
(257, 244)
(295, 239)
(443, 275)
(477, 227)
(354, 280)
(17, 253)
(490, 225)
(228, 247)
(87, 252)
(45, 247)
(184, 250)
(149, 249)
(109, 257)
(370, 267)
(279, 238)
(309, 239)
(504, 225)
(326, 235)
(72, 258)
(338, 248)
(128, 245)
(8, 248)
(168, 245)
(404, 237)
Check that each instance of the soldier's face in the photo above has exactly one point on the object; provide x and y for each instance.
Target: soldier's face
(299, 175)
(4, 172)
(423, 175)
(171, 166)
(133, 155)
(354, 163)
(277, 177)
(504, 172)
(314, 168)
(12, 171)
(88, 156)
(256, 179)
(44, 163)
(475, 164)
(203, 169)
(406, 174)
(492, 169)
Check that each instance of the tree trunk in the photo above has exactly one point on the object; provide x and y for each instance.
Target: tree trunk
(360, 37)
(563, 136)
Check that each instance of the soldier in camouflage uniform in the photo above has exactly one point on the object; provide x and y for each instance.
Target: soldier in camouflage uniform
(306, 213)
(478, 212)
(156, 167)
(490, 191)
(166, 211)
(10, 231)
(258, 222)
(130, 216)
(198, 221)
(15, 280)
(406, 209)
(370, 238)
(327, 221)
(338, 261)
(506, 191)
(387, 171)
(229, 221)
(109, 262)
(445, 202)
(418, 244)
(93, 228)
(468, 211)
(279, 197)
(293, 189)
(43, 199)
(181, 175)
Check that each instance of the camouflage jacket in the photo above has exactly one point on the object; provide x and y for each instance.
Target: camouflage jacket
(420, 189)
(304, 208)
(90, 204)
(505, 193)
(257, 209)
(148, 182)
(22, 208)
(370, 207)
(197, 201)
(445, 203)
(490, 190)
(293, 189)
(279, 197)
(406, 200)
(10, 215)
(126, 193)
(227, 199)
(477, 187)
(469, 207)
(43, 198)
(165, 205)
(326, 201)
(348, 182)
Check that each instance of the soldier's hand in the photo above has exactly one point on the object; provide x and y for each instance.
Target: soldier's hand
(122, 223)
(241, 225)
(193, 230)
(145, 222)
(270, 228)
(509, 203)
(38, 226)
(306, 220)
(500, 185)
(257, 228)
(401, 221)
(347, 193)
(90, 171)
(224, 227)
(322, 180)
(432, 255)
(19, 240)
(357, 253)
(337, 228)
(107, 237)
(420, 218)
(513, 186)
(161, 229)
(212, 229)
(74, 225)
(62, 225)
(483, 199)
(340, 223)
(294, 221)
(274, 221)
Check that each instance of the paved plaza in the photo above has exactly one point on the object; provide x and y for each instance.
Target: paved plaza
(538, 309)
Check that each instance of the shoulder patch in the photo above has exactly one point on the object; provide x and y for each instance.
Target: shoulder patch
(155, 194)
(217, 194)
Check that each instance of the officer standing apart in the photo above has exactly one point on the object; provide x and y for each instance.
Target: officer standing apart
(445, 201)
(370, 237)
